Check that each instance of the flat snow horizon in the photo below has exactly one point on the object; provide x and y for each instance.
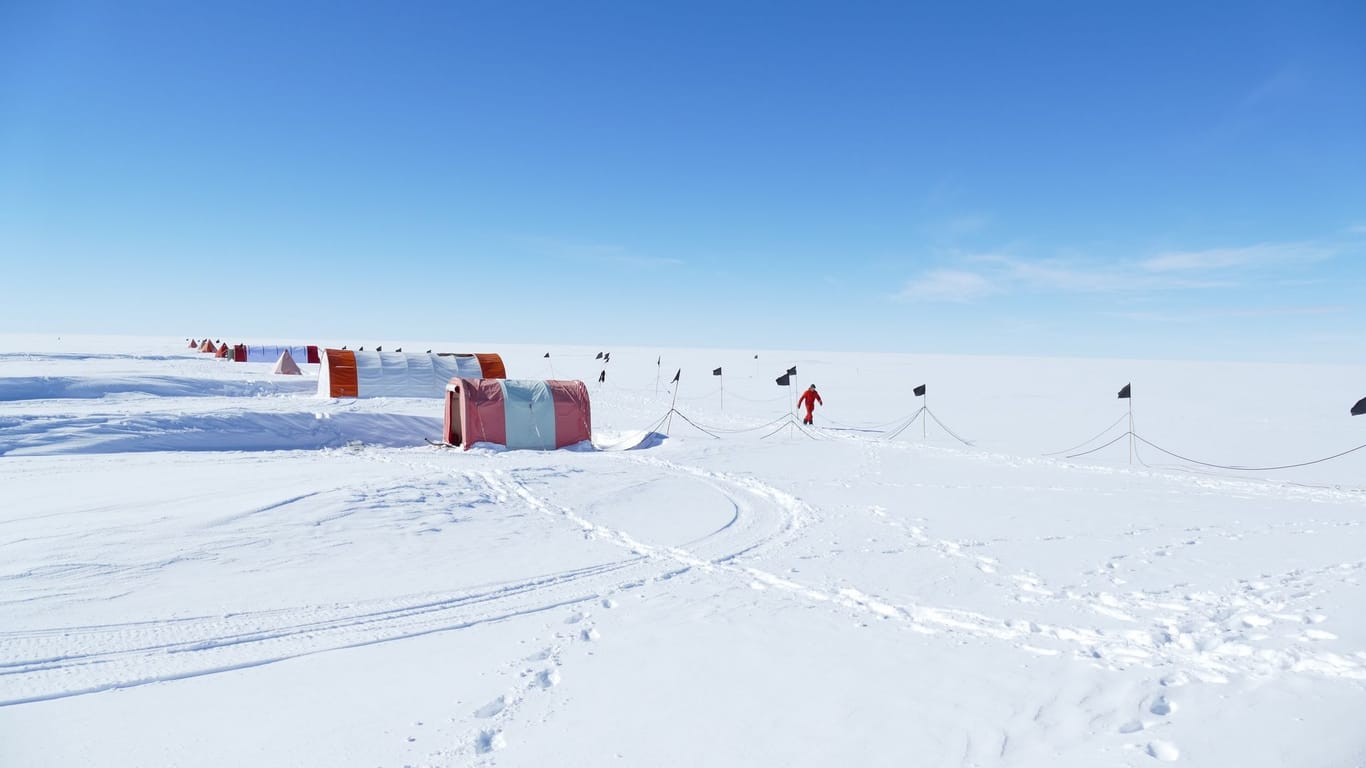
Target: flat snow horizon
(203, 563)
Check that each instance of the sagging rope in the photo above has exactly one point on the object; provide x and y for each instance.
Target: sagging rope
(791, 421)
(1090, 440)
(1248, 469)
(904, 426)
(1107, 445)
(1212, 465)
(946, 429)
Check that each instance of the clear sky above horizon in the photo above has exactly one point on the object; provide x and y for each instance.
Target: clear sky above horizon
(1169, 179)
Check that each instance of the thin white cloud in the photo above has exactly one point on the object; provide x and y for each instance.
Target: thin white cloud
(1212, 259)
(1232, 312)
(985, 274)
(1080, 276)
(1279, 86)
(948, 285)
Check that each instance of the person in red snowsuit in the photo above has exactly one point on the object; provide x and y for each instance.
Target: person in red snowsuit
(809, 399)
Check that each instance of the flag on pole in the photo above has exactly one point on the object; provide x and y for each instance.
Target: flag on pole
(547, 354)
(1360, 408)
(716, 372)
(784, 380)
(677, 373)
(919, 391)
(602, 376)
(607, 357)
(1124, 393)
(792, 371)
(599, 357)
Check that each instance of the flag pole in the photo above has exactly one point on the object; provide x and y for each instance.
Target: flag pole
(668, 424)
(1127, 393)
(1131, 429)
(925, 422)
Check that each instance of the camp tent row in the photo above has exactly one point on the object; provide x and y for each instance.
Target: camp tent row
(538, 415)
(353, 373)
(482, 405)
(244, 353)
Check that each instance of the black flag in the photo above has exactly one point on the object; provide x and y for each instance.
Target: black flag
(602, 377)
(547, 354)
(919, 391)
(1124, 393)
(659, 360)
(677, 373)
(784, 380)
(607, 357)
(792, 371)
(716, 372)
(599, 357)
(1360, 408)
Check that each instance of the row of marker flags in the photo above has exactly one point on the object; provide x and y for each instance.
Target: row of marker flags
(785, 380)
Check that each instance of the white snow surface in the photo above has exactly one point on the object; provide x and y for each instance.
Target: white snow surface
(205, 564)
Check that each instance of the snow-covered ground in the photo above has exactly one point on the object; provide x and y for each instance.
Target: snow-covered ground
(205, 564)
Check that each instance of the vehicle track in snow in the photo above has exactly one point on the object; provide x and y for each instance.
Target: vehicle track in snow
(63, 661)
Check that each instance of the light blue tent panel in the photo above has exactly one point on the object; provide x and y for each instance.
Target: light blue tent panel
(467, 367)
(530, 413)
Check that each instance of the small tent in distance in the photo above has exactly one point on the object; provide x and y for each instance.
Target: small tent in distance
(539, 415)
(286, 365)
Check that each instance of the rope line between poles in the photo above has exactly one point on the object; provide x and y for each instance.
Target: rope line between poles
(1248, 469)
(1088, 441)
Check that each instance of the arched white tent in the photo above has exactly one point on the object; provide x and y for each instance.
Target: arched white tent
(348, 373)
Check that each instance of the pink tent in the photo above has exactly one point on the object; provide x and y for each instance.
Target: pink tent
(518, 414)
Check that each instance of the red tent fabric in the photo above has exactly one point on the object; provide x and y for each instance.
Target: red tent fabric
(543, 414)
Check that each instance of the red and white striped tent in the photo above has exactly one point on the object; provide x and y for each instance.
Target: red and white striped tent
(353, 373)
(540, 415)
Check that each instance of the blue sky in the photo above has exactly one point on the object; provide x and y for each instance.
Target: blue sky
(1165, 179)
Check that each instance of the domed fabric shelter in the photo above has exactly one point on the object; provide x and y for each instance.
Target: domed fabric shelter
(348, 373)
(540, 415)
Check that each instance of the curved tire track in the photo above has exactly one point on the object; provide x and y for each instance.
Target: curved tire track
(50, 663)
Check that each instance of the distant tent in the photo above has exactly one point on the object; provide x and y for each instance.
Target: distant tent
(347, 373)
(243, 353)
(223, 351)
(207, 346)
(287, 365)
(540, 415)
(193, 343)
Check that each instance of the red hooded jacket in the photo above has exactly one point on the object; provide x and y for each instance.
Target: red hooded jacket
(809, 399)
